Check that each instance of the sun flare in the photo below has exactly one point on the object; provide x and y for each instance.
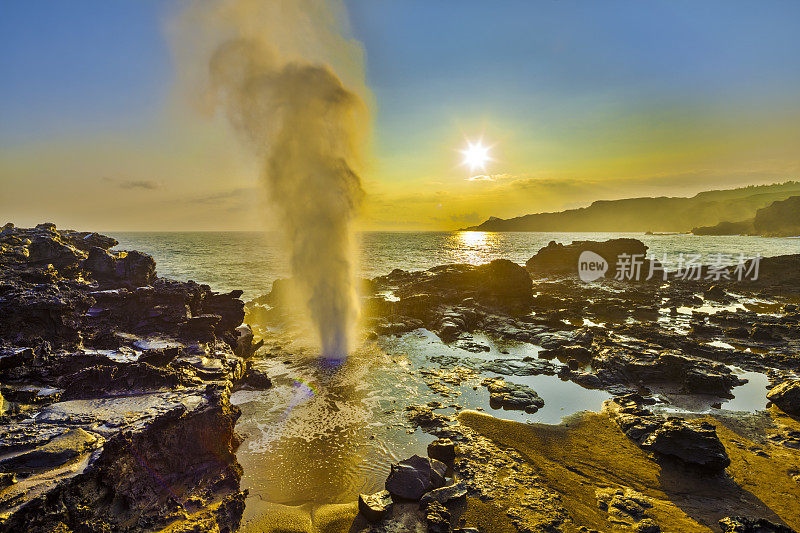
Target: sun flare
(476, 155)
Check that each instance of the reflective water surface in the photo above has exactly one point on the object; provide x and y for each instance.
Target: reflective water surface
(251, 261)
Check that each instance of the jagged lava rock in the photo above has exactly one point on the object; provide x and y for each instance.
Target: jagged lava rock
(57, 451)
(133, 268)
(693, 442)
(374, 507)
(128, 375)
(512, 396)
(437, 518)
(741, 524)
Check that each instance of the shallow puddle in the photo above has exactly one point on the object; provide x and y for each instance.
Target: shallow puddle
(750, 397)
(324, 435)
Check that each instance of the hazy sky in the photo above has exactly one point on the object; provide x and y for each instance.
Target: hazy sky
(579, 100)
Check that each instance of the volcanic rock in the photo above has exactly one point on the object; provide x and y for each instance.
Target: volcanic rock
(512, 396)
(500, 283)
(413, 477)
(255, 379)
(126, 374)
(692, 442)
(59, 450)
(444, 495)
(437, 518)
(786, 395)
(443, 450)
(374, 507)
(557, 258)
(694, 374)
(741, 524)
(132, 269)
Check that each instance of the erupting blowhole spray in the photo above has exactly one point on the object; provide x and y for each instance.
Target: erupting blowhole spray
(306, 128)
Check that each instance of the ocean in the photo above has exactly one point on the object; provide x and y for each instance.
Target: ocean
(251, 261)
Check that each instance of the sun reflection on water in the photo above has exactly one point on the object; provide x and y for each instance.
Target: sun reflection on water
(476, 247)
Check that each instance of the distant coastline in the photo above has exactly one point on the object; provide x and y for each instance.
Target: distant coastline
(665, 214)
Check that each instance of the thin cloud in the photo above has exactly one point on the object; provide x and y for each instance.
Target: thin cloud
(232, 195)
(490, 177)
(148, 185)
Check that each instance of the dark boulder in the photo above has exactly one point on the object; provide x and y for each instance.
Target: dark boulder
(786, 395)
(46, 247)
(715, 292)
(692, 374)
(130, 269)
(413, 477)
(695, 443)
(500, 283)
(254, 379)
(227, 306)
(557, 258)
(691, 442)
(443, 450)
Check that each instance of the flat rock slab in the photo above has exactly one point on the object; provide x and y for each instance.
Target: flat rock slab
(26, 435)
(56, 452)
(444, 495)
(107, 416)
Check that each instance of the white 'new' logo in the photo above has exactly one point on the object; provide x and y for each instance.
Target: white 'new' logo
(591, 266)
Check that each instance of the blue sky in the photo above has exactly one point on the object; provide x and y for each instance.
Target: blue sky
(560, 86)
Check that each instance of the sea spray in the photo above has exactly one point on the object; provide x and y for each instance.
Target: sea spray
(307, 130)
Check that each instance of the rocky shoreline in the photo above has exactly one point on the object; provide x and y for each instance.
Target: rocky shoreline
(117, 384)
(647, 343)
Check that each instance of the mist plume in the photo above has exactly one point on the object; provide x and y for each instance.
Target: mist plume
(307, 130)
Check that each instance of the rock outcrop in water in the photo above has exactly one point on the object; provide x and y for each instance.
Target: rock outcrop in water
(557, 258)
(116, 383)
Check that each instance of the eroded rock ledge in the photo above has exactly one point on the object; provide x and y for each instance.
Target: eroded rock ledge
(115, 386)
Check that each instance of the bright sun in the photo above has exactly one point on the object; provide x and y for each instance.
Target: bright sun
(476, 155)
